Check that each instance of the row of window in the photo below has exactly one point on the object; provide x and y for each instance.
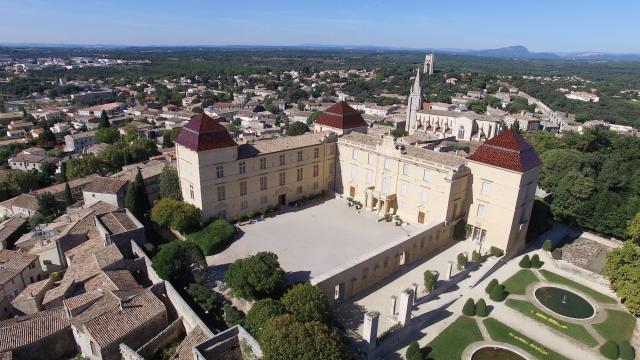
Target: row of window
(426, 176)
(242, 166)
(244, 205)
(282, 180)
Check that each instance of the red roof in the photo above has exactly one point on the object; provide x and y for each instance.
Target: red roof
(509, 151)
(204, 133)
(341, 116)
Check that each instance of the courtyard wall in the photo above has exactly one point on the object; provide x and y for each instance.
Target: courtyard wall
(355, 276)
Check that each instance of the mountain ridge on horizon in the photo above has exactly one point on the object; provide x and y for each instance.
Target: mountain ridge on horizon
(507, 52)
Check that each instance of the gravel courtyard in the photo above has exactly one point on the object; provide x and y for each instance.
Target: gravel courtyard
(311, 240)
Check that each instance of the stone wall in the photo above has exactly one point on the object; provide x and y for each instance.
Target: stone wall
(361, 273)
(162, 340)
(182, 309)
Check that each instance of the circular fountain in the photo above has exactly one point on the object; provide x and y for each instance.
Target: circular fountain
(495, 353)
(565, 302)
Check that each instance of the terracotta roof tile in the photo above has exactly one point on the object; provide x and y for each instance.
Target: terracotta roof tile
(509, 151)
(29, 329)
(204, 133)
(341, 116)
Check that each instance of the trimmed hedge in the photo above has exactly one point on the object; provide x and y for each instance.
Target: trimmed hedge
(214, 237)
(626, 351)
(481, 308)
(547, 245)
(491, 285)
(498, 293)
(469, 307)
(525, 262)
(496, 251)
(535, 262)
(609, 350)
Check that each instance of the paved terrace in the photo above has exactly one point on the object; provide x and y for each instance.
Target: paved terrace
(312, 239)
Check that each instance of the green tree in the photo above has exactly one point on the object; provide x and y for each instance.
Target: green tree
(130, 133)
(623, 270)
(256, 277)
(284, 338)
(233, 316)
(177, 215)
(104, 120)
(414, 352)
(430, 280)
(498, 293)
(47, 204)
(297, 128)
(68, 196)
(169, 184)
(307, 303)
(205, 298)
(180, 262)
(626, 351)
(261, 312)
(313, 116)
(107, 135)
(399, 132)
(167, 142)
(633, 229)
(493, 283)
(62, 176)
(136, 199)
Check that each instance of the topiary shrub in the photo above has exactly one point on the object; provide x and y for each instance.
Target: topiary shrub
(498, 293)
(609, 350)
(491, 285)
(496, 252)
(556, 254)
(430, 280)
(525, 262)
(535, 262)
(214, 237)
(626, 351)
(481, 308)
(475, 256)
(413, 352)
(462, 261)
(547, 245)
(469, 307)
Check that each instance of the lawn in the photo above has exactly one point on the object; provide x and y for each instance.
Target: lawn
(553, 277)
(501, 332)
(618, 326)
(575, 331)
(517, 284)
(453, 340)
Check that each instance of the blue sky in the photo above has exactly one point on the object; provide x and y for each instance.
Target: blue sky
(542, 25)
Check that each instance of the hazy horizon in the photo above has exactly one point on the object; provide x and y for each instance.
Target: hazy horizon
(541, 26)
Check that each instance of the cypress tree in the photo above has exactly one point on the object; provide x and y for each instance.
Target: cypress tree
(104, 120)
(136, 199)
(68, 197)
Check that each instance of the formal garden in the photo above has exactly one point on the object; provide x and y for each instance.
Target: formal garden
(570, 309)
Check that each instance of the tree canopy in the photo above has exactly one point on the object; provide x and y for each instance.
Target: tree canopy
(297, 128)
(180, 262)
(169, 184)
(623, 270)
(285, 338)
(307, 303)
(136, 199)
(256, 277)
(176, 214)
(261, 312)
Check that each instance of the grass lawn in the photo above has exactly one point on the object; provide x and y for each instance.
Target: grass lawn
(575, 331)
(618, 326)
(453, 340)
(503, 333)
(517, 284)
(553, 277)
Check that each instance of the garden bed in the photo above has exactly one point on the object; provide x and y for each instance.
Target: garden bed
(501, 332)
(454, 339)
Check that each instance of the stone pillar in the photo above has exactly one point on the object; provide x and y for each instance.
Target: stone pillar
(393, 305)
(406, 305)
(370, 328)
(415, 292)
(449, 268)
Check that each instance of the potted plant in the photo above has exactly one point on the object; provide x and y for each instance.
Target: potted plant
(350, 201)
(263, 212)
(398, 220)
(387, 217)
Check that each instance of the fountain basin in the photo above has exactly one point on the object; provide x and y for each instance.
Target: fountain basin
(495, 353)
(564, 302)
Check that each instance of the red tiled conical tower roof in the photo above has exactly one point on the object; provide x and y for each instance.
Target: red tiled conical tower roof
(341, 116)
(509, 151)
(204, 133)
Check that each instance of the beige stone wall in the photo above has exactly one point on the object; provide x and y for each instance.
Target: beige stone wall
(418, 186)
(205, 183)
(345, 282)
(506, 204)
